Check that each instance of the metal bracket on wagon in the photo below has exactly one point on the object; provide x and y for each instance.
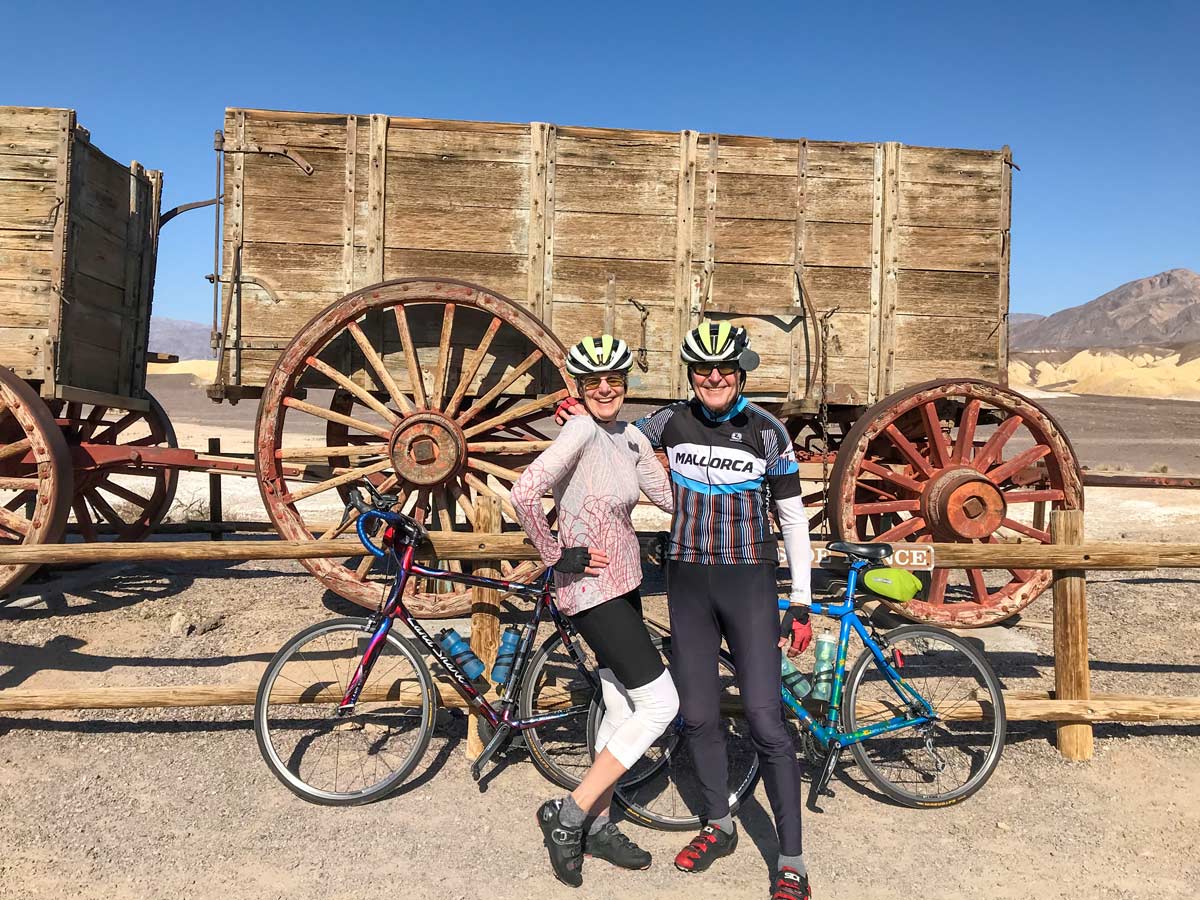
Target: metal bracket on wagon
(275, 150)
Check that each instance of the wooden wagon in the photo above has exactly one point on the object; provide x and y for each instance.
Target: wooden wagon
(398, 293)
(78, 236)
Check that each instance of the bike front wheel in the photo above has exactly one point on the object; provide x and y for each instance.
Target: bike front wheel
(944, 761)
(342, 760)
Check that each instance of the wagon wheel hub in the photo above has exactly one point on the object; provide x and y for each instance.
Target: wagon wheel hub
(427, 449)
(961, 504)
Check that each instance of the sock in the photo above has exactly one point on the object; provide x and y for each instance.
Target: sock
(793, 862)
(725, 823)
(571, 815)
(597, 824)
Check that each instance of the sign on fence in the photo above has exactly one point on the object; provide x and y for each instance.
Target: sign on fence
(913, 558)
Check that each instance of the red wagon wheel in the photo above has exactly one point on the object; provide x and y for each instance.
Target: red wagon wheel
(111, 488)
(956, 461)
(428, 389)
(35, 474)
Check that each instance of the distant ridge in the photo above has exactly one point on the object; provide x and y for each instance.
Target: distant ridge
(187, 340)
(1162, 310)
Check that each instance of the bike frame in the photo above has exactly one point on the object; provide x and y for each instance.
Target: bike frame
(830, 730)
(393, 608)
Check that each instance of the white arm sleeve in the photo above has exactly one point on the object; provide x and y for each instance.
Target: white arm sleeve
(794, 524)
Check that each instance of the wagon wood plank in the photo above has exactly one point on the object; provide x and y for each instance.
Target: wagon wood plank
(59, 271)
(887, 293)
(685, 199)
(949, 249)
(536, 255)
(799, 325)
(876, 284)
(348, 203)
(548, 265)
(1006, 239)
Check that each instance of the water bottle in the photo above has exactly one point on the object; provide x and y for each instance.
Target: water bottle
(793, 678)
(505, 655)
(456, 648)
(825, 652)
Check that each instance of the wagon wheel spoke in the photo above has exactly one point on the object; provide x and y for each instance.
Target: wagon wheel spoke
(504, 384)
(937, 586)
(1021, 461)
(905, 529)
(100, 505)
(378, 369)
(468, 374)
(87, 527)
(111, 432)
(908, 450)
(979, 587)
(519, 411)
(359, 393)
(14, 523)
(964, 446)
(1027, 530)
(483, 488)
(346, 478)
(346, 451)
(329, 416)
(410, 356)
(1050, 495)
(994, 446)
(894, 477)
(508, 447)
(16, 448)
(863, 509)
(939, 450)
(445, 516)
(443, 363)
(124, 493)
(87, 427)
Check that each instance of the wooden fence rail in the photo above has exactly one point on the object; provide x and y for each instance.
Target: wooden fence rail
(466, 545)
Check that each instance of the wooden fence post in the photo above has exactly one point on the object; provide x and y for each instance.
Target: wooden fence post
(1071, 681)
(485, 614)
(215, 514)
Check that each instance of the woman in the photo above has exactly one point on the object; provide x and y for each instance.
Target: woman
(595, 468)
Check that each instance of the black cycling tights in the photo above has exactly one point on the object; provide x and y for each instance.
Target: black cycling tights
(740, 603)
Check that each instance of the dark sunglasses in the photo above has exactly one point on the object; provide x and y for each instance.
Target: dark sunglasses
(591, 382)
(705, 369)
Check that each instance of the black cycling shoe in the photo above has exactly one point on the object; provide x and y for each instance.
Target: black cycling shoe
(610, 844)
(705, 849)
(791, 885)
(565, 845)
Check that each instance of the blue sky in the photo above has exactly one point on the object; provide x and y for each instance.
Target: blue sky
(1098, 100)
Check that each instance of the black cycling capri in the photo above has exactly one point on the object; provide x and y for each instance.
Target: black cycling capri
(617, 635)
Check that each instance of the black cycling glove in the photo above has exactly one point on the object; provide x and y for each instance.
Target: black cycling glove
(573, 560)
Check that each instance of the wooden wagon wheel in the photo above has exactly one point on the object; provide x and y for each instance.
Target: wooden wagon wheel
(424, 387)
(111, 489)
(956, 461)
(35, 474)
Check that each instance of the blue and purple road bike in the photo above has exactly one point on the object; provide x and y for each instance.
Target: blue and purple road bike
(346, 708)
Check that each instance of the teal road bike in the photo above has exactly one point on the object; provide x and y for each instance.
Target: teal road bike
(920, 710)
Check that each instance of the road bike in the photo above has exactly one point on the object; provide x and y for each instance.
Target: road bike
(921, 711)
(346, 709)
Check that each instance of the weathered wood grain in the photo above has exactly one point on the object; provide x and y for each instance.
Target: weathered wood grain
(943, 166)
(953, 249)
(947, 293)
(975, 206)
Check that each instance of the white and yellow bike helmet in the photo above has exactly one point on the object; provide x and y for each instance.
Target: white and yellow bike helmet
(599, 354)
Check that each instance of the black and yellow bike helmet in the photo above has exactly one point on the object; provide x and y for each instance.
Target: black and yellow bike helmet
(599, 354)
(719, 342)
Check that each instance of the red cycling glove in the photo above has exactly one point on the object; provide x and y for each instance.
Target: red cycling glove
(797, 630)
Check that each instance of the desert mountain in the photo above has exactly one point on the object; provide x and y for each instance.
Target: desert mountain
(187, 340)
(1161, 309)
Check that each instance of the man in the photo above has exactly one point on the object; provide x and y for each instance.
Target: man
(729, 460)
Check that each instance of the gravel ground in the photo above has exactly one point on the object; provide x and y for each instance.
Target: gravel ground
(155, 803)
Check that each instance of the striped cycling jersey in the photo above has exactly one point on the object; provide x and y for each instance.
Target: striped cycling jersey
(724, 471)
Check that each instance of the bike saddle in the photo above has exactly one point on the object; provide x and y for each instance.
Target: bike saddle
(872, 552)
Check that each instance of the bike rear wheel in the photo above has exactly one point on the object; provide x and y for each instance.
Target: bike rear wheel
(343, 760)
(661, 790)
(947, 760)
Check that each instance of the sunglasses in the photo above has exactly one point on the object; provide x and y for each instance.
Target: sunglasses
(591, 382)
(705, 369)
